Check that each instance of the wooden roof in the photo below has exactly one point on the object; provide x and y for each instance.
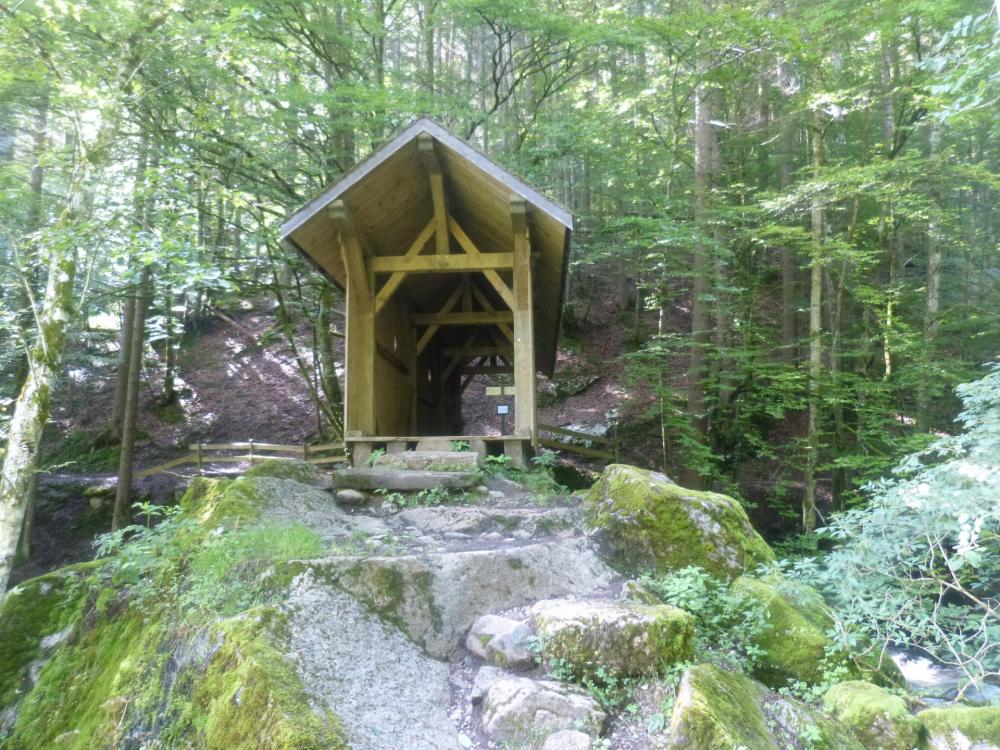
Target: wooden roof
(390, 200)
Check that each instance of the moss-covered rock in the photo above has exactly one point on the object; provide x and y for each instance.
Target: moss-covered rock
(649, 522)
(962, 727)
(36, 618)
(719, 710)
(875, 716)
(795, 645)
(621, 637)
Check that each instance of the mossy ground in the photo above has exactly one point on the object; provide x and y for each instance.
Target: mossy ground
(175, 656)
(651, 523)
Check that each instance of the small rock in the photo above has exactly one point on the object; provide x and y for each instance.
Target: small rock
(464, 740)
(515, 708)
(633, 591)
(485, 678)
(351, 497)
(568, 739)
(522, 534)
(501, 641)
(481, 489)
(496, 495)
(456, 536)
(493, 536)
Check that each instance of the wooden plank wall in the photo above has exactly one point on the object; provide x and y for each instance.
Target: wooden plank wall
(394, 369)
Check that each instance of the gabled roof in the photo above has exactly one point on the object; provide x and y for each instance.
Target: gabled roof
(389, 197)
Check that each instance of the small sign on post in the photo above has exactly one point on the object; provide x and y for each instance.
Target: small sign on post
(503, 410)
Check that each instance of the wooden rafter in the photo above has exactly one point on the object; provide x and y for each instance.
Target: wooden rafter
(394, 281)
(463, 353)
(435, 175)
(478, 351)
(447, 308)
(485, 304)
(491, 275)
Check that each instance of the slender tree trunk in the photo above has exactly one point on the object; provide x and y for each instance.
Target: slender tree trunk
(933, 300)
(130, 418)
(169, 395)
(815, 332)
(121, 372)
(329, 382)
(31, 411)
(701, 264)
(789, 263)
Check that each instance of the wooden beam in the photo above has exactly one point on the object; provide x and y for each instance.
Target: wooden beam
(435, 175)
(525, 417)
(443, 263)
(353, 255)
(392, 284)
(447, 308)
(456, 360)
(492, 276)
(477, 351)
(478, 318)
(487, 370)
(485, 304)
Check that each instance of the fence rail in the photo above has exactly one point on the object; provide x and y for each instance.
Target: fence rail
(609, 454)
(209, 453)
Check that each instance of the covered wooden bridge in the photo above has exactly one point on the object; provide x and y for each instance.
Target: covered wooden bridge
(453, 268)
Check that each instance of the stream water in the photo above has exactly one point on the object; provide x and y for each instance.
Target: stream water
(939, 683)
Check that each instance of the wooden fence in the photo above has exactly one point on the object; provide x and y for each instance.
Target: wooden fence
(249, 452)
(608, 454)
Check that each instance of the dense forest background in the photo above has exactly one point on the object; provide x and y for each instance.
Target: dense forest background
(789, 206)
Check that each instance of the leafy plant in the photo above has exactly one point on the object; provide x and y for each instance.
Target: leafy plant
(375, 454)
(459, 445)
(917, 567)
(497, 464)
(727, 622)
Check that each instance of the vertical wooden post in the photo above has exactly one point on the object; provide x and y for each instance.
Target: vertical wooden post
(359, 395)
(524, 332)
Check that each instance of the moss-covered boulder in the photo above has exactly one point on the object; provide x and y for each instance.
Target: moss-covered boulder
(649, 522)
(878, 718)
(719, 710)
(794, 644)
(621, 637)
(962, 727)
(36, 618)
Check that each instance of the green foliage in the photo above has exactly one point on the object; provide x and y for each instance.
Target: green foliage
(83, 452)
(728, 622)
(917, 566)
(393, 501)
(375, 454)
(497, 464)
(459, 445)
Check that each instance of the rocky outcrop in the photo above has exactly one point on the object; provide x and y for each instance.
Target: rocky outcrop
(876, 717)
(622, 637)
(962, 727)
(434, 598)
(719, 710)
(518, 709)
(501, 641)
(648, 521)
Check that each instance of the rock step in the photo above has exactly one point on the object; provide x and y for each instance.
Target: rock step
(403, 480)
(429, 461)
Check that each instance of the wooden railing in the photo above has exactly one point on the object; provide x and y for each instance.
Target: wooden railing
(249, 452)
(608, 454)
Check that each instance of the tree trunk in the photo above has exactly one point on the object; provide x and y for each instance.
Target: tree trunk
(31, 411)
(130, 417)
(169, 395)
(933, 301)
(815, 331)
(329, 382)
(789, 263)
(121, 372)
(701, 265)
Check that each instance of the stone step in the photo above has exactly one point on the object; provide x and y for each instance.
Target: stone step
(403, 480)
(429, 461)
